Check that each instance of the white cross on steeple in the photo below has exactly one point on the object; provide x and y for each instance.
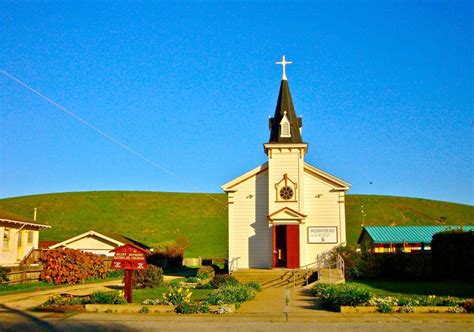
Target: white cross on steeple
(283, 63)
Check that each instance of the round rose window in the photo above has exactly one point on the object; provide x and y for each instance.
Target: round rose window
(286, 193)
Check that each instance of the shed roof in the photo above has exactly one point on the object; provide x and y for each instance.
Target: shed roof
(408, 234)
(14, 219)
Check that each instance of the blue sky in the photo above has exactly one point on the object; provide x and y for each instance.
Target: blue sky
(385, 90)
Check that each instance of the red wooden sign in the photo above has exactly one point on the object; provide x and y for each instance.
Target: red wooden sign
(129, 257)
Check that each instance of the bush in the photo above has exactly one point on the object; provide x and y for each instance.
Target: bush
(71, 266)
(468, 305)
(188, 308)
(334, 296)
(207, 285)
(108, 298)
(150, 278)
(58, 300)
(169, 254)
(177, 295)
(254, 285)
(385, 308)
(205, 272)
(3, 275)
(115, 274)
(223, 279)
(194, 280)
(406, 309)
(453, 254)
(229, 293)
(320, 288)
(355, 263)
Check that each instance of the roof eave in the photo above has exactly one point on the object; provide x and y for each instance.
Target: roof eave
(24, 223)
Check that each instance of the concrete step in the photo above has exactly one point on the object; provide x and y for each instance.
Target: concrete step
(273, 278)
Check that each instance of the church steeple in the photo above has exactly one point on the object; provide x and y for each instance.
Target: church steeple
(285, 126)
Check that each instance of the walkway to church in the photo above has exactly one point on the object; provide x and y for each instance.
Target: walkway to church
(283, 301)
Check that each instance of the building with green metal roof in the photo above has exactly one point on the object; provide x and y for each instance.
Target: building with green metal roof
(381, 239)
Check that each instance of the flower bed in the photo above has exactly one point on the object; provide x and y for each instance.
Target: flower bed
(176, 297)
(352, 298)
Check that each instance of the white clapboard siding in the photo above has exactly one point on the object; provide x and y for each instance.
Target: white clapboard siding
(249, 231)
(323, 208)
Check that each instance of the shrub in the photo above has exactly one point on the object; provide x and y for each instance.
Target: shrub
(108, 298)
(71, 266)
(468, 305)
(457, 310)
(188, 308)
(177, 295)
(334, 296)
(229, 293)
(176, 282)
(254, 285)
(193, 280)
(452, 254)
(207, 285)
(58, 300)
(144, 310)
(223, 279)
(115, 274)
(320, 288)
(378, 301)
(3, 275)
(169, 254)
(150, 278)
(355, 264)
(406, 309)
(385, 308)
(205, 272)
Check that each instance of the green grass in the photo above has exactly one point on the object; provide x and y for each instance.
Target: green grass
(398, 288)
(139, 295)
(155, 217)
(39, 286)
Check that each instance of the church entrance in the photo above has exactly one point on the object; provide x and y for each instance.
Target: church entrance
(286, 246)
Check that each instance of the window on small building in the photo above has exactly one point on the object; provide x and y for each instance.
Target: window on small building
(20, 239)
(6, 238)
(30, 237)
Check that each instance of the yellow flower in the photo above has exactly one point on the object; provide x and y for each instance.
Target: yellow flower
(179, 290)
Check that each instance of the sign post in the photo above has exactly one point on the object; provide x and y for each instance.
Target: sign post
(129, 257)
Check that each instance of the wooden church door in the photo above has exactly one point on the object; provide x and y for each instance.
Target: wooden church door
(286, 246)
(292, 246)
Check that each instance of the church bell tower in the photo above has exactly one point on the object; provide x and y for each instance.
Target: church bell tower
(286, 150)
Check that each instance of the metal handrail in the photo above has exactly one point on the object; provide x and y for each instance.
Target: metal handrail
(233, 265)
(323, 263)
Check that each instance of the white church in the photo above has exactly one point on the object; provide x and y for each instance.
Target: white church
(284, 212)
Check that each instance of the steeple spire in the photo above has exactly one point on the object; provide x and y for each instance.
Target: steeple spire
(285, 126)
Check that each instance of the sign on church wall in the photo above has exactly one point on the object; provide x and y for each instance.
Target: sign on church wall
(318, 234)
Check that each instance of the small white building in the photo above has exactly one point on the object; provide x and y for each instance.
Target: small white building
(18, 237)
(97, 243)
(284, 212)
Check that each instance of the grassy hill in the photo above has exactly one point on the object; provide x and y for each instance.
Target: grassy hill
(154, 217)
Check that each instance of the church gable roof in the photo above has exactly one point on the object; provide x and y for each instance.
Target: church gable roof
(337, 183)
(285, 107)
(230, 186)
(286, 213)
